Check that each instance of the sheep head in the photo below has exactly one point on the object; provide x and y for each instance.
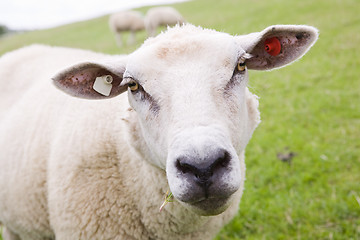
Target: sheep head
(188, 89)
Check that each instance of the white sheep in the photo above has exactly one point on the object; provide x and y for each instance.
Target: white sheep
(161, 16)
(72, 168)
(126, 21)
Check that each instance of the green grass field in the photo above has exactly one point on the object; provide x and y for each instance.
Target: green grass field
(311, 108)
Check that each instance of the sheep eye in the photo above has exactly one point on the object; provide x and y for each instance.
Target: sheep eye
(134, 86)
(241, 66)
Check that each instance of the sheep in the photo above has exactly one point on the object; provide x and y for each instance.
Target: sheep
(124, 21)
(161, 16)
(175, 115)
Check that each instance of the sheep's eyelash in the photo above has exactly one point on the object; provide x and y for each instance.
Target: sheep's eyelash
(245, 56)
(127, 79)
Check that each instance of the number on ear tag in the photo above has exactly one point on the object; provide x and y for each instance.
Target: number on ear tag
(103, 85)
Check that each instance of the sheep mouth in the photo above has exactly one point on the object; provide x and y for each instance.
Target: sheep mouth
(210, 206)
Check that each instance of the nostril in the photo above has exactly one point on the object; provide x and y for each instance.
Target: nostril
(184, 167)
(222, 161)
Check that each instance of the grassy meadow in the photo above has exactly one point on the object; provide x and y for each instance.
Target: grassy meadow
(311, 108)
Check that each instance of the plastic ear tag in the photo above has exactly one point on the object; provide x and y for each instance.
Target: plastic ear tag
(273, 46)
(103, 85)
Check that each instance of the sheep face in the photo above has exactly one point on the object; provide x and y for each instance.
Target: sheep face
(194, 113)
(192, 109)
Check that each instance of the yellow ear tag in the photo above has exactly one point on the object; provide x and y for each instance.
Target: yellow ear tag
(103, 85)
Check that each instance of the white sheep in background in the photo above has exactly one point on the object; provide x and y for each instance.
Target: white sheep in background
(161, 16)
(126, 21)
(72, 168)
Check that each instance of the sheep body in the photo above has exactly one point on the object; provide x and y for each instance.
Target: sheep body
(77, 169)
(161, 16)
(126, 21)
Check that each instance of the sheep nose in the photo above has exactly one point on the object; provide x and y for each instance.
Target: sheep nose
(204, 171)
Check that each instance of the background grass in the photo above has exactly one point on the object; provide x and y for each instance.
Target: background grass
(311, 108)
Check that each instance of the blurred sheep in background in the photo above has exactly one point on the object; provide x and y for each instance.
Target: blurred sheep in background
(126, 21)
(161, 16)
(133, 21)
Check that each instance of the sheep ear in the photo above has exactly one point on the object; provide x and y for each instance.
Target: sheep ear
(92, 80)
(277, 46)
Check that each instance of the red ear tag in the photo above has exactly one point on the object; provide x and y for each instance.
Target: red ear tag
(272, 46)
